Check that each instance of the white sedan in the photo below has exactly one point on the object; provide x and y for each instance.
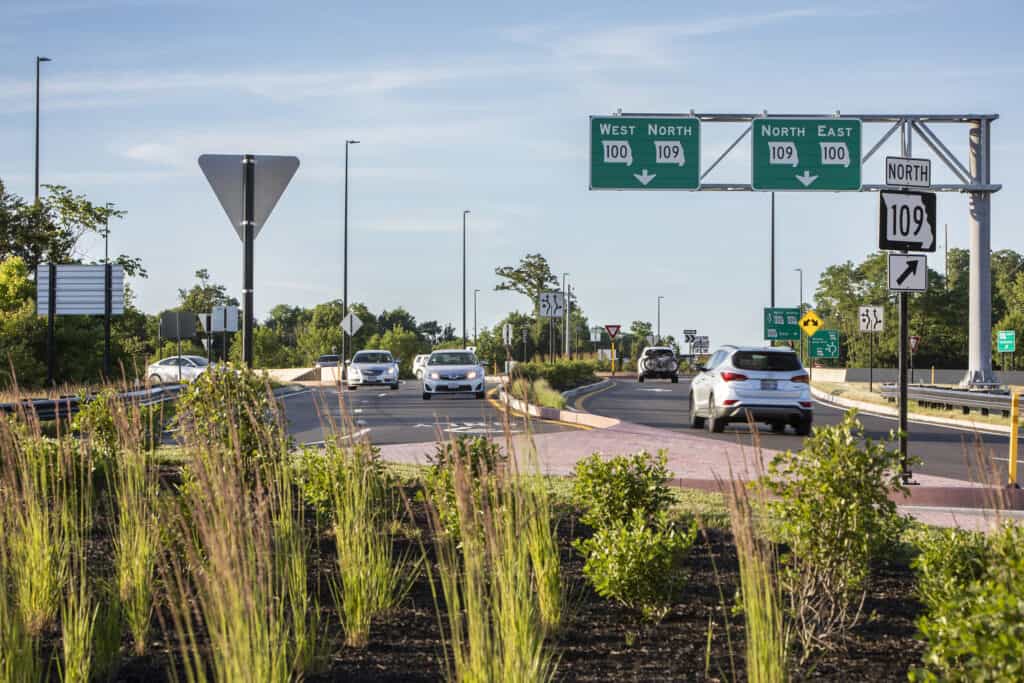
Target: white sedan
(176, 369)
(453, 372)
(373, 366)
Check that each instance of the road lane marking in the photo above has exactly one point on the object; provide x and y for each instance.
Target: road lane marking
(580, 400)
(354, 435)
(515, 413)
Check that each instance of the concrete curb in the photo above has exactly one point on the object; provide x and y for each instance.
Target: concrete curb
(873, 408)
(567, 416)
(585, 389)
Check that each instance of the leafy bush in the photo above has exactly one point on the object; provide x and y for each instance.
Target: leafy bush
(562, 376)
(95, 421)
(233, 410)
(975, 623)
(834, 513)
(480, 457)
(637, 563)
(609, 491)
(538, 392)
(315, 471)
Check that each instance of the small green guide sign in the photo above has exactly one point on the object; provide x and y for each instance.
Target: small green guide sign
(806, 154)
(825, 344)
(1006, 341)
(782, 324)
(644, 153)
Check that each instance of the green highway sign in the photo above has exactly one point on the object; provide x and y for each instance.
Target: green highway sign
(644, 153)
(825, 344)
(782, 324)
(1006, 341)
(806, 154)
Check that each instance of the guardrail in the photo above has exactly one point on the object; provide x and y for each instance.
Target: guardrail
(67, 406)
(950, 399)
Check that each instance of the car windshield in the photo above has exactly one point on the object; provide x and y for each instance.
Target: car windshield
(452, 358)
(198, 360)
(372, 357)
(660, 353)
(328, 359)
(766, 360)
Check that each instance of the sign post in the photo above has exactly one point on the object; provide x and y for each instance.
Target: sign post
(613, 331)
(248, 204)
(872, 320)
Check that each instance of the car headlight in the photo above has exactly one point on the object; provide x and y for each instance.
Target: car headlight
(435, 375)
(391, 370)
(471, 374)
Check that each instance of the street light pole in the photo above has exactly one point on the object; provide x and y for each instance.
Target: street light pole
(39, 60)
(659, 319)
(565, 313)
(344, 270)
(800, 305)
(464, 335)
(475, 292)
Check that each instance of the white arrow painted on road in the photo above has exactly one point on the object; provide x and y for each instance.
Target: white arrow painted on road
(644, 177)
(807, 178)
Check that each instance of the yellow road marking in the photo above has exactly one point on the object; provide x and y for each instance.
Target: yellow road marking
(580, 400)
(501, 409)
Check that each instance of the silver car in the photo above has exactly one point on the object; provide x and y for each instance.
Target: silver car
(176, 369)
(768, 384)
(453, 372)
(373, 367)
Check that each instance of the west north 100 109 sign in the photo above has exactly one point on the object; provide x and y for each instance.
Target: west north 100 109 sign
(805, 154)
(906, 221)
(644, 153)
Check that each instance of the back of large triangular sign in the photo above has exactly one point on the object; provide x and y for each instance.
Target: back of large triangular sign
(271, 176)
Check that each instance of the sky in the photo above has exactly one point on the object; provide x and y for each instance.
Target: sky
(485, 107)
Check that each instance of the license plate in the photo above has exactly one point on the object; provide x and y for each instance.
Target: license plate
(769, 384)
(453, 387)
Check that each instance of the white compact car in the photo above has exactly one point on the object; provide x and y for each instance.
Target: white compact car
(657, 362)
(373, 367)
(419, 364)
(453, 372)
(769, 384)
(166, 370)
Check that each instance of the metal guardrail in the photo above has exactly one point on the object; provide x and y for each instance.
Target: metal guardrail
(67, 406)
(951, 399)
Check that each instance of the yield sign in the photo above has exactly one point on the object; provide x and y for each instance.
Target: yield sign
(613, 330)
(225, 172)
(810, 323)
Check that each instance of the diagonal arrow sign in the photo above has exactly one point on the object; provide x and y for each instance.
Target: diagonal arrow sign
(911, 269)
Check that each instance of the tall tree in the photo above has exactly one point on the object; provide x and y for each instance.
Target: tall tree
(204, 295)
(530, 278)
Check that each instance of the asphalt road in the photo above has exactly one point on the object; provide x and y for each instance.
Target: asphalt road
(388, 417)
(944, 451)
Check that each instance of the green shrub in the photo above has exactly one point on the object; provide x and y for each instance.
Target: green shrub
(638, 564)
(95, 421)
(480, 457)
(834, 513)
(562, 375)
(538, 392)
(315, 471)
(974, 628)
(950, 559)
(608, 491)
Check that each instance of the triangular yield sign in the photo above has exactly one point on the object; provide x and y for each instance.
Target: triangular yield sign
(613, 330)
(225, 174)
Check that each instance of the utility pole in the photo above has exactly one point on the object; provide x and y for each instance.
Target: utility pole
(106, 294)
(39, 60)
(464, 336)
(344, 268)
(475, 292)
(659, 319)
(565, 322)
(771, 251)
(800, 304)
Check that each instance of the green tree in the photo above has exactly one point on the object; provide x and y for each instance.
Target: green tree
(21, 330)
(204, 295)
(530, 278)
(402, 343)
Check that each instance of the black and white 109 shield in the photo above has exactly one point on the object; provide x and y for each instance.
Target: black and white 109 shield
(906, 221)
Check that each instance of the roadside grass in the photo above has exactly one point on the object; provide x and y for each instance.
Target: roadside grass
(858, 391)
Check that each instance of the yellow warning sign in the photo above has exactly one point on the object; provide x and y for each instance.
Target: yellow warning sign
(810, 323)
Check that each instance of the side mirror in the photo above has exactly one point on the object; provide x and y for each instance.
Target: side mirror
(348, 362)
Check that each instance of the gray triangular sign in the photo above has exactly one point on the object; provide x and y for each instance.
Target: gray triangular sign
(271, 175)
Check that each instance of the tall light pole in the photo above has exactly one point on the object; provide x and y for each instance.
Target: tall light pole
(344, 269)
(464, 335)
(771, 252)
(800, 305)
(39, 60)
(565, 314)
(659, 319)
(475, 292)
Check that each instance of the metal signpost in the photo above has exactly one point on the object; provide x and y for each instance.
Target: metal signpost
(782, 324)
(872, 320)
(73, 289)
(248, 187)
(613, 331)
(644, 153)
(806, 154)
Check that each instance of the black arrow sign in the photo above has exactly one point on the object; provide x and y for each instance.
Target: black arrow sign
(810, 321)
(911, 269)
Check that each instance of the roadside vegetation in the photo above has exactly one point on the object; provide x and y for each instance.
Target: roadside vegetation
(858, 391)
(241, 557)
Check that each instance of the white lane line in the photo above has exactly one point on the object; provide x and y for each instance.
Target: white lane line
(295, 393)
(354, 435)
(356, 411)
(382, 394)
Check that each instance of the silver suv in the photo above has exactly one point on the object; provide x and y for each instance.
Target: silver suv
(769, 384)
(657, 362)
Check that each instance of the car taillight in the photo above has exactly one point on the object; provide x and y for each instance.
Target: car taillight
(729, 402)
(805, 404)
(801, 379)
(733, 376)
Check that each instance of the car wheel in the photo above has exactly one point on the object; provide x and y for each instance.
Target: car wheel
(696, 421)
(675, 379)
(155, 380)
(715, 424)
(419, 375)
(803, 427)
(777, 427)
(426, 396)
(479, 394)
(640, 378)
(394, 387)
(352, 387)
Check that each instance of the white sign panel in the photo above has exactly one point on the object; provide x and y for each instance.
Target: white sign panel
(908, 273)
(552, 305)
(595, 334)
(701, 344)
(271, 176)
(872, 318)
(907, 172)
(80, 289)
(506, 334)
(351, 324)
(224, 319)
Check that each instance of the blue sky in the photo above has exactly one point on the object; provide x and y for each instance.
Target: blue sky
(485, 107)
